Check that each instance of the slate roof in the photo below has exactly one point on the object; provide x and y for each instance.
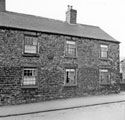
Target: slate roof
(35, 23)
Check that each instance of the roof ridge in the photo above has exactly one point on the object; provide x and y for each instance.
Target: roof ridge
(88, 25)
(41, 17)
(30, 15)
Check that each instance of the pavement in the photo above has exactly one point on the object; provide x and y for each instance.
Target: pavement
(62, 104)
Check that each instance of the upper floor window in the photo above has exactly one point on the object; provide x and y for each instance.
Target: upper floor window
(70, 48)
(104, 51)
(70, 77)
(31, 44)
(104, 76)
(29, 76)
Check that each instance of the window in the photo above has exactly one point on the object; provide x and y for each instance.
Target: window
(31, 44)
(29, 76)
(70, 48)
(70, 77)
(104, 51)
(104, 76)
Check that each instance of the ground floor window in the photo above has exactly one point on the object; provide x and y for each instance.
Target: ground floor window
(104, 76)
(29, 76)
(70, 77)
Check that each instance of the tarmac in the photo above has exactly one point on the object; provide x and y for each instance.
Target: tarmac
(61, 104)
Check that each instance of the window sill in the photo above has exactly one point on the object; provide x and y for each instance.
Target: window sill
(29, 87)
(122, 82)
(30, 55)
(70, 85)
(71, 57)
(106, 59)
(104, 84)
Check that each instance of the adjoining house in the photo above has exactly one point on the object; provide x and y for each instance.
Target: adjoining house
(122, 73)
(44, 59)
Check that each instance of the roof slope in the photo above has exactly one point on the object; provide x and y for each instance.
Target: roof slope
(30, 22)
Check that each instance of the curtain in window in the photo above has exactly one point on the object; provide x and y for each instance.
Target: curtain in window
(30, 44)
(29, 76)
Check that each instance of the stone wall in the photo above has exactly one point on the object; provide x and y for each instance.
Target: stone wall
(51, 63)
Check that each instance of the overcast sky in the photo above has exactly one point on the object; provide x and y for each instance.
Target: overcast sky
(107, 14)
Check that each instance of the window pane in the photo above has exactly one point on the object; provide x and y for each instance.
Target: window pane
(34, 41)
(104, 76)
(34, 72)
(30, 44)
(27, 72)
(104, 46)
(25, 41)
(70, 48)
(104, 51)
(104, 70)
(70, 76)
(70, 42)
(104, 54)
(70, 70)
(29, 81)
(29, 76)
(30, 49)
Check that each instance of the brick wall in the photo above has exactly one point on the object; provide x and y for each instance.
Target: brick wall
(51, 71)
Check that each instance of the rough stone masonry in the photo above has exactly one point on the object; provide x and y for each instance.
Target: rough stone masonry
(51, 63)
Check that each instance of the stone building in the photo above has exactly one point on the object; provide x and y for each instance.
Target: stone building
(122, 73)
(45, 59)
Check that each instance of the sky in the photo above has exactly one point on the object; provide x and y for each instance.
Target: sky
(107, 14)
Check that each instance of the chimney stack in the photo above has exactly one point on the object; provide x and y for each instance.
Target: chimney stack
(2, 5)
(71, 15)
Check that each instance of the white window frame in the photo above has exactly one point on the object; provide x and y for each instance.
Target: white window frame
(70, 47)
(30, 44)
(30, 80)
(71, 82)
(103, 71)
(104, 51)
